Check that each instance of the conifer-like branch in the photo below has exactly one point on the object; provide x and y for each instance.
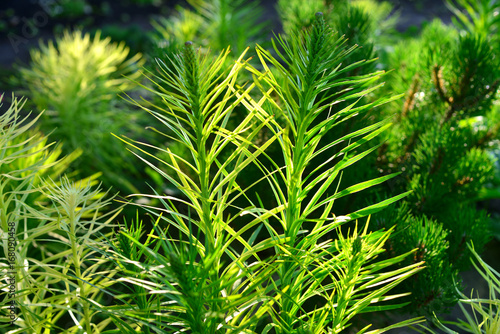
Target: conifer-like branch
(410, 99)
(437, 78)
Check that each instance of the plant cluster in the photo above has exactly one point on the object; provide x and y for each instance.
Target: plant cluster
(263, 282)
(292, 191)
(440, 142)
(48, 252)
(444, 131)
(76, 82)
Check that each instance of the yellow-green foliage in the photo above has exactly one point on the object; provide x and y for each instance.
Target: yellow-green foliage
(182, 27)
(79, 66)
(37, 237)
(77, 79)
(25, 156)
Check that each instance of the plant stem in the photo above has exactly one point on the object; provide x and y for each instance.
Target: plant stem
(192, 75)
(299, 161)
(77, 262)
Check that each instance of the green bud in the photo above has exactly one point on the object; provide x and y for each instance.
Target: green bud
(190, 63)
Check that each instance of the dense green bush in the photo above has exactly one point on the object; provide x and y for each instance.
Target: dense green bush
(77, 81)
(442, 134)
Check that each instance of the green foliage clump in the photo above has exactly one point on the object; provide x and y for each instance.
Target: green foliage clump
(213, 24)
(440, 145)
(297, 15)
(479, 17)
(26, 158)
(269, 171)
(259, 268)
(49, 257)
(77, 81)
(430, 239)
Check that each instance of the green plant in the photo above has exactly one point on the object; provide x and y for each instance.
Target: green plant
(360, 20)
(15, 184)
(223, 273)
(296, 15)
(26, 158)
(443, 131)
(47, 258)
(484, 314)
(196, 108)
(479, 17)
(440, 141)
(306, 92)
(266, 173)
(214, 24)
(77, 81)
